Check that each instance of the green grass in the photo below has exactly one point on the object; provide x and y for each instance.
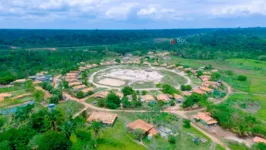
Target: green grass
(140, 85)
(18, 92)
(69, 107)
(10, 89)
(172, 78)
(238, 99)
(116, 137)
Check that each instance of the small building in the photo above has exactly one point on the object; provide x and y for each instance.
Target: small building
(79, 87)
(156, 64)
(74, 83)
(178, 98)
(148, 129)
(214, 70)
(199, 91)
(207, 73)
(4, 95)
(163, 97)
(148, 98)
(145, 63)
(205, 89)
(259, 140)
(205, 118)
(101, 94)
(104, 117)
(90, 89)
(179, 68)
(170, 67)
(205, 78)
(164, 65)
(186, 93)
(187, 69)
(19, 81)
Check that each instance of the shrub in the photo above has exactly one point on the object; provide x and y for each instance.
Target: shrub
(241, 78)
(229, 72)
(186, 123)
(215, 76)
(80, 94)
(171, 139)
(112, 101)
(144, 92)
(101, 102)
(127, 91)
(185, 87)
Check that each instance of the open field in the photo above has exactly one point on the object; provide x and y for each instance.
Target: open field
(69, 107)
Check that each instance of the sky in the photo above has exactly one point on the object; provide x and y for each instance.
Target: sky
(131, 14)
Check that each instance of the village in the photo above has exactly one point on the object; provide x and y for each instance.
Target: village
(139, 83)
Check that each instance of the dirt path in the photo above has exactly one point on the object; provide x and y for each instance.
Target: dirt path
(229, 92)
(55, 82)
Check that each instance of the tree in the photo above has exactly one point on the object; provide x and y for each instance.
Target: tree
(38, 95)
(40, 121)
(172, 103)
(4, 145)
(171, 139)
(215, 76)
(185, 87)
(199, 73)
(126, 103)
(168, 89)
(186, 123)
(80, 94)
(127, 91)
(138, 134)
(112, 101)
(118, 60)
(241, 78)
(54, 99)
(144, 92)
(65, 84)
(96, 126)
(101, 102)
(53, 140)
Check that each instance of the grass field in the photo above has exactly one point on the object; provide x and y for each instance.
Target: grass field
(69, 107)
(172, 78)
(116, 137)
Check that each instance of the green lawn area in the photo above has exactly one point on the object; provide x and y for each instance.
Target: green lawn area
(255, 71)
(140, 85)
(172, 78)
(69, 107)
(10, 89)
(253, 104)
(91, 100)
(116, 137)
(18, 92)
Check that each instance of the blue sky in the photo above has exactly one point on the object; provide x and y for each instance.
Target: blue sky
(131, 14)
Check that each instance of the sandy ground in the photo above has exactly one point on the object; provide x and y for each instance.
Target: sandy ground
(112, 82)
(134, 75)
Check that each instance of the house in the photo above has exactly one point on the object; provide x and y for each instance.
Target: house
(148, 129)
(82, 68)
(19, 81)
(90, 89)
(88, 66)
(170, 67)
(205, 89)
(104, 117)
(199, 91)
(79, 87)
(214, 70)
(145, 63)
(163, 97)
(179, 68)
(94, 65)
(156, 64)
(178, 98)
(150, 53)
(187, 69)
(74, 83)
(205, 78)
(101, 94)
(4, 95)
(211, 84)
(72, 74)
(259, 140)
(186, 93)
(205, 118)
(148, 98)
(207, 73)
(164, 65)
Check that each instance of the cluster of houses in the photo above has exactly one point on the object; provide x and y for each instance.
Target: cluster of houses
(38, 78)
(74, 82)
(110, 118)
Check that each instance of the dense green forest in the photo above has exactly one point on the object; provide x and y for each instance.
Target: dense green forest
(20, 56)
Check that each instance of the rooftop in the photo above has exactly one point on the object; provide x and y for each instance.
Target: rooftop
(106, 118)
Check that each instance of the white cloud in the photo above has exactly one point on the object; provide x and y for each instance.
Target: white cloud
(120, 12)
(242, 9)
(146, 11)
